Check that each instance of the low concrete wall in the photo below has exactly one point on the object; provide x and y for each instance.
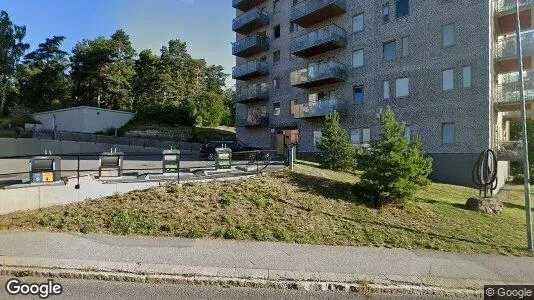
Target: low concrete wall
(21, 147)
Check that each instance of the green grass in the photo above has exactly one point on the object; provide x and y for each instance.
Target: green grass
(310, 205)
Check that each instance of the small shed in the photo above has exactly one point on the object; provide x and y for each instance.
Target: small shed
(84, 119)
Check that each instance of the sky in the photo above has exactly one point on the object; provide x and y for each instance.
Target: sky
(204, 24)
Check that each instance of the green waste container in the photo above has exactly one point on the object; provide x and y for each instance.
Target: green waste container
(171, 161)
(223, 158)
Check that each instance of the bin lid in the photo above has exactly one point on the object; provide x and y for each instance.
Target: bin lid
(109, 161)
(223, 150)
(43, 164)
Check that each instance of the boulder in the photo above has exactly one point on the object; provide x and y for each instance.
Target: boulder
(486, 205)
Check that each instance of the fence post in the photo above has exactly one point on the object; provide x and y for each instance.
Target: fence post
(291, 156)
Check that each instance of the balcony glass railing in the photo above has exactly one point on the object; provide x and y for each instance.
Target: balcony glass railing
(253, 120)
(315, 109)
(506, 5)
(258, 91)
(254, 40)
(509, 92)
(509, 150)
(309, 6)
(322, 35)
(249, 17)
(507, 47)
(253, 66)
(318, 72)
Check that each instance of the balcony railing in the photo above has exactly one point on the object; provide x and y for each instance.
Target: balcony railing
(253, 93)
(244, 5)
(253, 120)
(316, 109)
(313, 76)
(509, 150)
(508, 93)
(309, 12)
(319, 41)
(250, 21)
(507, 48)
(250, 69)
(507, 5)
(250, 45)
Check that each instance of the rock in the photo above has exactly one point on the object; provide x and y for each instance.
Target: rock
(487, 205)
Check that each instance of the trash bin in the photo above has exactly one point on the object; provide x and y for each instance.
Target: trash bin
(110, 164)
(45, 169)
(171, 161)
(223, 158)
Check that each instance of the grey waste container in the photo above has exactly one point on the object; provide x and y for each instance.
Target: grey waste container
(223, 158)
(171, 161)
(45, 169)
(110, 164)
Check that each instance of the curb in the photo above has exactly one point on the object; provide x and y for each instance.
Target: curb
(362, 287)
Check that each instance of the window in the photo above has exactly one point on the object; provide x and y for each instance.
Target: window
(276, 109)
(389, 50)
(386, 89)
(408, 133)
(357, 58)
(385, 12)
(361, 136)
(448, 35)
(448, 79)
(357, 23)
(405, 41)
(276, 31)
(276, 6)
(358, 94)
(402, 87)
(466, 77)
(317, 137)
(276, 57)
(276, 83)
(402, 8)
(447, 133)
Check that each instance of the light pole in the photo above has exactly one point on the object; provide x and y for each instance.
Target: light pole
(526, 170)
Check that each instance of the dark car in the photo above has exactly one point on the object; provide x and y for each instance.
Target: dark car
(239, 150)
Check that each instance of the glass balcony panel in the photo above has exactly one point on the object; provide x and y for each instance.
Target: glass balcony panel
(507, 47)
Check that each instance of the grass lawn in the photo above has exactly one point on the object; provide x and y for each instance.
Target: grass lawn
(310, 205)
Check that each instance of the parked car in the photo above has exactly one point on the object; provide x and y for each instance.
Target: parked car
(239, 150)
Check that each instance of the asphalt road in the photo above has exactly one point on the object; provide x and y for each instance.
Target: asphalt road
(96, 290)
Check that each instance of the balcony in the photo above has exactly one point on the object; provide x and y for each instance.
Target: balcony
(251, 20)
(250, 45)
(509, 150)
(319, 41)
(309, 12)
(507, 96)
(253, 121)
(256, 92)
(316, 109)
(323, 74)
(244, 5)
(507, 6)
(506, 52)
(251, 69)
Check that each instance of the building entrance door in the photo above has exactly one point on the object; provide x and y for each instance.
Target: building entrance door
(284, 138)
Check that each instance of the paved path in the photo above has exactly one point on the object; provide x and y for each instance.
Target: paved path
(259, 260)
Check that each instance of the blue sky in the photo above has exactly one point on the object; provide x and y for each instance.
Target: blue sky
(204, 24)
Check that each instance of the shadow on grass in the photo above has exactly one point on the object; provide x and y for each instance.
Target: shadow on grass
(432, 201)
(347, 192)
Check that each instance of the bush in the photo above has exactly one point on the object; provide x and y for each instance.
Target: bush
(127, 222)
(393, 169)
(338, 153)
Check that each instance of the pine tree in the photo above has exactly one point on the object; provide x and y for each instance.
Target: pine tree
(393, 169)
(337, 151)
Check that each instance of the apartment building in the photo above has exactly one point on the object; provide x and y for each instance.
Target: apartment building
(447, 67)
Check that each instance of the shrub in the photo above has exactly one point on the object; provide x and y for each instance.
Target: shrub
(262, 234)
(259, 202)
(231, 234)
(337, 151)
(393, 169)
(226, 201)
(132, 222)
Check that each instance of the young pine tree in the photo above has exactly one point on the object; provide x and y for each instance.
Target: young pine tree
(337, 151)
(393, 169)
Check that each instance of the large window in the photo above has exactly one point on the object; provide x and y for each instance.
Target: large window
(402, 87)
(389, 50)
(357, 58)
(386, 89)
(408, 133)
(385, 12)
(357, 23)
(317, 137)
(447, 133)
(405, 41)
(402, 8)
(358, 95)
(448, 79)
(360, 136)
(466, 77)
(448, 35)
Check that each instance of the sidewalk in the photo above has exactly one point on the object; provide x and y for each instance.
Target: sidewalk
(259, 260)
